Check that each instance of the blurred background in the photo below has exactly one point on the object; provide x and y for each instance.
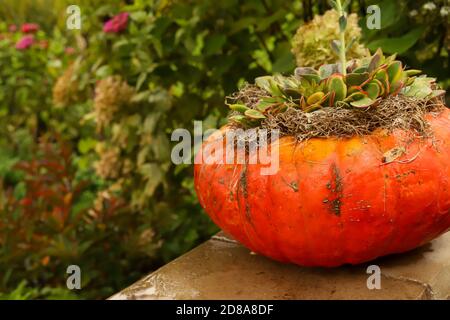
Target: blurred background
(86, 117)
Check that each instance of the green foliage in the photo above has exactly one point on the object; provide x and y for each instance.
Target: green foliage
(25, 292)
(26, 78)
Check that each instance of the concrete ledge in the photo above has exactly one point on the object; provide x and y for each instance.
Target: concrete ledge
(223, 269)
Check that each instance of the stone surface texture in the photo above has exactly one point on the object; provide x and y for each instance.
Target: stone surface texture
(223, 269)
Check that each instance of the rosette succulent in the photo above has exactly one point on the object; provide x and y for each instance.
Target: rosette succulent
(365, 82)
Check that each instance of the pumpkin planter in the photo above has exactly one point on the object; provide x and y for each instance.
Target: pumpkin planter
(363, 164)
(335, 201)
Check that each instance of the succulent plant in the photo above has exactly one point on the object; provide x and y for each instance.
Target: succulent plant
(365, 83)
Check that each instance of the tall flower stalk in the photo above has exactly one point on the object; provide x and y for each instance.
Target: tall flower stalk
(342, 26)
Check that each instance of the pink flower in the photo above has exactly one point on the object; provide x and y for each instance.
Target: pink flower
(25, 42)
(12, 28)
(117, 23)
(69, 51)
(30, 27)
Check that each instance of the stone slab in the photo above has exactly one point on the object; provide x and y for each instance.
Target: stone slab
(221, 268)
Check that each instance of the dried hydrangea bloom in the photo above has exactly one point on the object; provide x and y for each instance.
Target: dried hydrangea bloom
(110, 94)
(108, 166)
(311, 43)
(65, 90)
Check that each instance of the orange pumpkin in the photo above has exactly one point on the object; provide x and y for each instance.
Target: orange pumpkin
(335, 201)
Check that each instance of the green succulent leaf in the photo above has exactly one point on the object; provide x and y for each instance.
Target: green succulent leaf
(327, 70)
(412, 72)
(373, 89)
(356, 79)
(312, 78)
(355, 97)
(291, 87)
(329, 99)
(354, 89)
(238, 118)
(390, 59)
(361, 69)
(395, 71)
(254, 114)
(239, 107)
(382, 76)
(375, 61)
(315, 98)
(363, 103)
(264, 83)
(268, 102)
(310, 74)
(396, 87)
(336, 84)
(301, 71)
(269, 84)
(380, 86)
(420, 88)
(409, 81)
(289, 83)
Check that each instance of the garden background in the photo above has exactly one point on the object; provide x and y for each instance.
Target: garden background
(86, 118)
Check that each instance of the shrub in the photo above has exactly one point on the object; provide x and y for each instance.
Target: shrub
(50, 221)
(30, 62)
